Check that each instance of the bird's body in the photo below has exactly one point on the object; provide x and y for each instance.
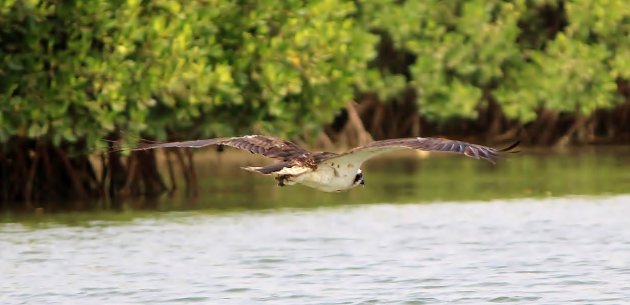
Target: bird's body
(325, 177)
(327, 171)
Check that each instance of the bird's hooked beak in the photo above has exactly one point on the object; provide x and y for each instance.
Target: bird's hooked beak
(358, 179)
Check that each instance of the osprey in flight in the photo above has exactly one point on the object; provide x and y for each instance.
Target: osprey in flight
(327, 171)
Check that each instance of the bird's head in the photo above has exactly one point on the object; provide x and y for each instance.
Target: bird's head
(358, 179)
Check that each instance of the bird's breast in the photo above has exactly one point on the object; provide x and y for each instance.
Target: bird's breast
(328, 179)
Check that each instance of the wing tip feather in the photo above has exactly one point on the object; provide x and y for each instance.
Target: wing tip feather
(511, 147)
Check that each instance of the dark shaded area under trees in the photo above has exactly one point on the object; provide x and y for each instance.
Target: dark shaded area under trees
(73, 73)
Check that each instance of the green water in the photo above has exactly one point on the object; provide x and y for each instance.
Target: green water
(408, 179)
(404, 178)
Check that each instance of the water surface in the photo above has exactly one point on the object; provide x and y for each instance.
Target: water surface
(537, 229)
(557, 251)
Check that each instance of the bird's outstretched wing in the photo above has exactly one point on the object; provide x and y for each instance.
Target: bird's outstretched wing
(360, 154)
(257, 144)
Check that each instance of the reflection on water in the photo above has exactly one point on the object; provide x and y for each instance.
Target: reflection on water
(465, 235)
(407, 179)
(403, 178)
(574, 250)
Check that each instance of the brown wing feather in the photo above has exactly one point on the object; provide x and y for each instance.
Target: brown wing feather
(443, 145)
(360, 154)
(257, 144)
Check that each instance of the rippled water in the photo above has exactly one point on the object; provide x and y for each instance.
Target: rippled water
(572, 250)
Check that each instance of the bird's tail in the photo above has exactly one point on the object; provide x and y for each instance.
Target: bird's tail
(267, 170)
(255, 169)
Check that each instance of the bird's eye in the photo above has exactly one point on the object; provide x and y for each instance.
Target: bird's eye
(357, 178)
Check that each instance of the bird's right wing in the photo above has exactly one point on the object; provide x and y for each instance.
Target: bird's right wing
(360, 154)
(257, 144)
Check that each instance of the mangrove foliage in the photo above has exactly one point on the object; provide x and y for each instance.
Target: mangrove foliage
(73, 73)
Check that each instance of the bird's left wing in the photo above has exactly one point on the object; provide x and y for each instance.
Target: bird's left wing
(257, 144)
(360, 154)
